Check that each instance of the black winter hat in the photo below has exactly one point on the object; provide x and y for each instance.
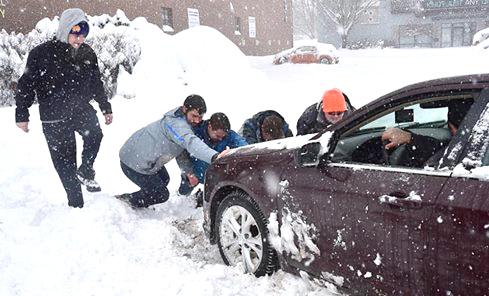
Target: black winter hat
(195, 102)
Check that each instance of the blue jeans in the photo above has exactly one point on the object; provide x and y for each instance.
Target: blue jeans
(153, 187)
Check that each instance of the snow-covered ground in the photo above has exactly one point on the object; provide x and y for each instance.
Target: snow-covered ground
(106, 248)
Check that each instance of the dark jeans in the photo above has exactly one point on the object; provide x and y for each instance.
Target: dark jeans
(153, 187)
(60, 137)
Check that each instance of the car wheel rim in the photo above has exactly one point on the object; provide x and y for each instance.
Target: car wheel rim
(241, 239)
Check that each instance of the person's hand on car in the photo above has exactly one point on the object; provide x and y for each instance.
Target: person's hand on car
(223, 153)
(395, 137)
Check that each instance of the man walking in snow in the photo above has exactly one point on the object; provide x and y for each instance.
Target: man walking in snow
(63, 73)
(145, 153)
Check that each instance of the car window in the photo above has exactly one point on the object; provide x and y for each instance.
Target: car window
(305, 49)
(425, 123)
(420, 116)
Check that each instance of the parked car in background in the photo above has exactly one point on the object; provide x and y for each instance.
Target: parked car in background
(341, 208)
(321, 53)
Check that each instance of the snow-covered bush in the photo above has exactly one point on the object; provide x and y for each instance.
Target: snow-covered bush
(111, 38)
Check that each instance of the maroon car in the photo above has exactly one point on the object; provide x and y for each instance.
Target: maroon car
(342, 208)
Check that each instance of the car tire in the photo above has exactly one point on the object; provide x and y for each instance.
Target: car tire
(325, 61)
(282, 60)
(246, 246)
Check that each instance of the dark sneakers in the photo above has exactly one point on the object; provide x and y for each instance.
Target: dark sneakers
(87, 179)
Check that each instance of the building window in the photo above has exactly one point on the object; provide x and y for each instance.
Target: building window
(457, 34)
(167, 19)
(237, 25)
(371, 15)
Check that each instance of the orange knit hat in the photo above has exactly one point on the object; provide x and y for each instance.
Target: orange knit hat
(334, 101)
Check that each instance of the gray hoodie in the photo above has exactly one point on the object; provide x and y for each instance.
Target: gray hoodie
(151, 147)
(68, 19)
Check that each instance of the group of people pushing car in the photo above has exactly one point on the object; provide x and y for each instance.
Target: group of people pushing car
(64, 76)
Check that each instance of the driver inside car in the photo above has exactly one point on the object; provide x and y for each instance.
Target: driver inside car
(424, 150)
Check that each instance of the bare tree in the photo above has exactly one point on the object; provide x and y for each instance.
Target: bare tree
(344, 13)
(305, 17)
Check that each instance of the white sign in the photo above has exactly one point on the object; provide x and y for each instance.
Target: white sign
(193, 17)
(252, 26)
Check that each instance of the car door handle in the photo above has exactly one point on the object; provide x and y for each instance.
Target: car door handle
(399, 200)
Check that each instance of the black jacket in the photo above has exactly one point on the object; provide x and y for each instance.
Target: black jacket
(313, 121)
(251, 129)
(63, 81)
(424, 151)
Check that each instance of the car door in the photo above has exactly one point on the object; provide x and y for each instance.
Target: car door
(459, 249)
(364, 241)
(304, 54)
(370, 220)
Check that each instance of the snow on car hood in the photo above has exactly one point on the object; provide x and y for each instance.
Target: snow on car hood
(282, 144)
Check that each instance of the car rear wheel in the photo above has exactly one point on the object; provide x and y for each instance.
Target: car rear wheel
(324, 61)
(282, 60)
(242, 235)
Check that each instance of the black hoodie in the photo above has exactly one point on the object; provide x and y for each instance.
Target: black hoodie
(64, 80)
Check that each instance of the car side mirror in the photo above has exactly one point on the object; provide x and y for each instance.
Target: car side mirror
(308, 155)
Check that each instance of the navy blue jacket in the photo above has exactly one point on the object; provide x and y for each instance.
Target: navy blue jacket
(232, 140)
(251, 129)
(64, 83)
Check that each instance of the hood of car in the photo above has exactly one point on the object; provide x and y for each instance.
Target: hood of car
(284, 145)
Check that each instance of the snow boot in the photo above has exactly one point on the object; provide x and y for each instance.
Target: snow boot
(87, 179)
(126, 198)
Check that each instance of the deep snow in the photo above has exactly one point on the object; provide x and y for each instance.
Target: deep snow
(106, 248)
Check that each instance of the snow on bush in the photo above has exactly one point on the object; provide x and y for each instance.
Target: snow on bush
(112, 39)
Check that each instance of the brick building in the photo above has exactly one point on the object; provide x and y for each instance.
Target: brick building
(258, 27)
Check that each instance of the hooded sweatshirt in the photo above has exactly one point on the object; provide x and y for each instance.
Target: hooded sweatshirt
(63, 82)
(68, 19)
